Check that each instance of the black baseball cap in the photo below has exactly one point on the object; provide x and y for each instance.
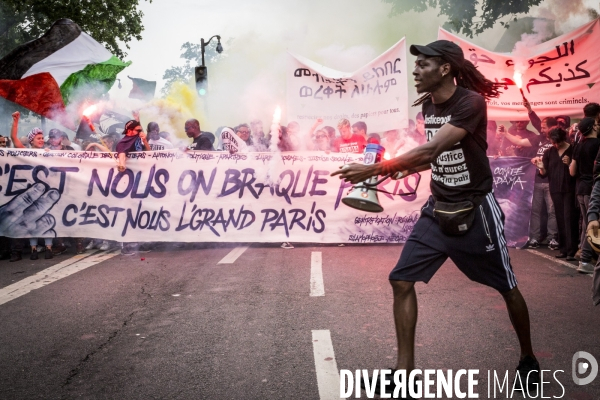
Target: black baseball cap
(447, 50)
(131, 125)
(586, 125)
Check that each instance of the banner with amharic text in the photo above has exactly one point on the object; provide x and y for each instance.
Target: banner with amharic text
(375, 94)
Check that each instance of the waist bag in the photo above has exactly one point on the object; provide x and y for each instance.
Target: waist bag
(455, 219)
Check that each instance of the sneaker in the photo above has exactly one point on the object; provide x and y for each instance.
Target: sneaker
(58, 250)
(553, 244)
(34, 254)
(127, 252)
(90, 245)
(105, 245)
(533, 244)
(286, 245)
(80, 248)
(585, 267)
(526, 365)
(48, 254)
(144, 248)
(15, 256)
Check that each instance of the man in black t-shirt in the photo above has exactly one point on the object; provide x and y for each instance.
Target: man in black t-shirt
(455, 126)
(521, 139)
(201, 141)
(582, 166)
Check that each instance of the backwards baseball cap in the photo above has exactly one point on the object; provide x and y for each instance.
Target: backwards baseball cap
(447, 50)
(586, 125)
(33, 132)
(131, 125)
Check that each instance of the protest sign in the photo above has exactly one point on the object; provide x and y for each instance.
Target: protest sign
(513, 188)
(375, 94)
(196, 197)
(559, 75)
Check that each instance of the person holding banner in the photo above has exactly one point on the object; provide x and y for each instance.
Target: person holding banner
(134, 140)
(348, 142)
(454, 107)
(201, 141)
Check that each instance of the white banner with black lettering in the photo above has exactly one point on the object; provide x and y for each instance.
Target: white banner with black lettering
(196, 197)
(375, 94)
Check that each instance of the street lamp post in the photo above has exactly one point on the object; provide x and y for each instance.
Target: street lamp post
(203, 45)
(201, 74)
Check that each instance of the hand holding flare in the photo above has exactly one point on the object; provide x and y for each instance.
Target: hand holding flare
(86, 116)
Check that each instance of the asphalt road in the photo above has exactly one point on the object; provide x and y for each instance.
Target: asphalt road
(177, 324)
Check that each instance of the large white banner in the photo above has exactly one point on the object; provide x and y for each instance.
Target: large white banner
(375, 94)
(560, 75)
(196, 197)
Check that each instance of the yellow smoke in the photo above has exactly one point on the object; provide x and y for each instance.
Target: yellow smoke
(180, 104)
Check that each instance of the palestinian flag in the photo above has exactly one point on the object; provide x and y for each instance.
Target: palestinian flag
(44, 74)
(142, 89)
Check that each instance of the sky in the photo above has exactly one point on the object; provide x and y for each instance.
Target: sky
(249, 83)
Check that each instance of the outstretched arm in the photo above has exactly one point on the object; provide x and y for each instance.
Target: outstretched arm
(313, 128)
(445, 138)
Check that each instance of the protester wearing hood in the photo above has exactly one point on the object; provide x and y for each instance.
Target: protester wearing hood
(134, 140)
(230, 142)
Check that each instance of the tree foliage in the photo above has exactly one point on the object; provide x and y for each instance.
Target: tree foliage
(463, 15)
(111, 22)
(192, 55)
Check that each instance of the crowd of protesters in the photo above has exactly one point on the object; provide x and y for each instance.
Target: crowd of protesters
(564, 154)
(345, 138)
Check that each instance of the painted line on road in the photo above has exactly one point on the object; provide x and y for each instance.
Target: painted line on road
(233, 255)
(317, 288)
(54, 273)
(556, 260)
(328, 376)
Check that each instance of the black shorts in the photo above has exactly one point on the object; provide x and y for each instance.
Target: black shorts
(481, 254)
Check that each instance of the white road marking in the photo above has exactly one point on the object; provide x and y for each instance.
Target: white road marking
(328, 376)
(556, 260)
(317, 288)
(54, 273)
(233, 255)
